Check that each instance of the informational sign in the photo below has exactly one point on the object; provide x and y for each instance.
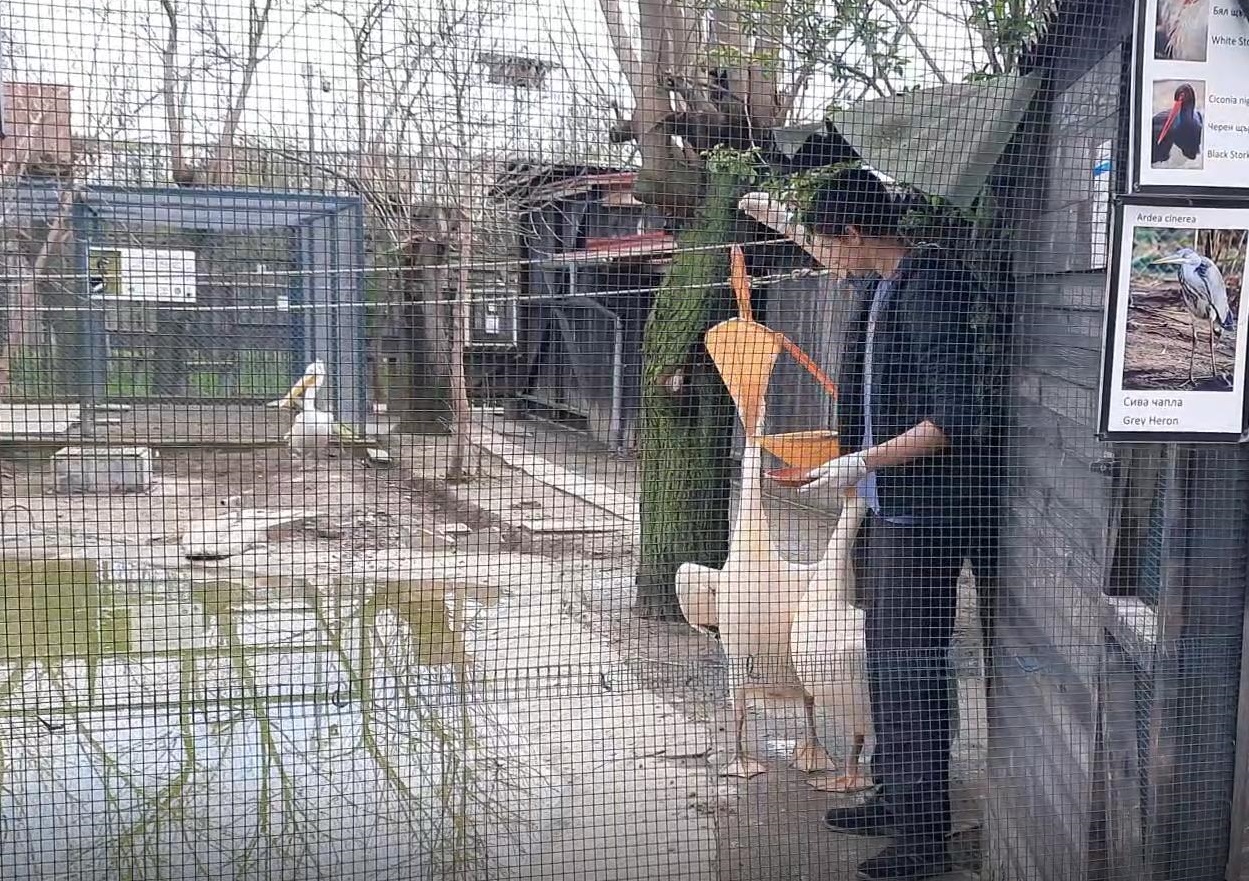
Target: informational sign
(1174, 367)
(142, 274)
(1103, 175)
(1191, 96)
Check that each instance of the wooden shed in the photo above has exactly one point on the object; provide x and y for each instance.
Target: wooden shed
(1115, 617)
(1118, 606)
(591, 256)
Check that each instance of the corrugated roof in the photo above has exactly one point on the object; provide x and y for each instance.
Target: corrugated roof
(529, 182)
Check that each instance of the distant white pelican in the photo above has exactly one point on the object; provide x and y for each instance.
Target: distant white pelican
(312, 429)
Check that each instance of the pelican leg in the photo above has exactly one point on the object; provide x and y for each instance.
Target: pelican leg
(741, 765)
(810, 755)
(852, 778)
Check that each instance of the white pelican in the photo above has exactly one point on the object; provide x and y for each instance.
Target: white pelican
(312, 429)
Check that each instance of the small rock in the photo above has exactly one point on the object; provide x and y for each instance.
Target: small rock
(102, 469)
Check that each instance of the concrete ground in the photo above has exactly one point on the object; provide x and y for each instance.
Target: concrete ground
(768, 828)
(603, 732)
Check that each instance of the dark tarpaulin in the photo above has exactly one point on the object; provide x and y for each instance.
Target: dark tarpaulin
(943, 141)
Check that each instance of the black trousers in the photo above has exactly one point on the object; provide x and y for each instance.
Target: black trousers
(910, 576)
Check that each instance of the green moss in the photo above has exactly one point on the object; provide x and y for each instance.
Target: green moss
(686, 437)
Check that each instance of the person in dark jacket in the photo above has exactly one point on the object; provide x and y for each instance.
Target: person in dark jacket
(908, 412)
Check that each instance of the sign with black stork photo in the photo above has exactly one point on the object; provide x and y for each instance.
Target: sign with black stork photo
(1191, 96)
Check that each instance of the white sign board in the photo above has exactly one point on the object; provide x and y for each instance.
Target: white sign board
(1175, 332)
(142, 274)
(1103, 179)
(1191, 95)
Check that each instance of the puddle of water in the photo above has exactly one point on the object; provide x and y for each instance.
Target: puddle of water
(230, 728)
(434, 613)
(52, 611)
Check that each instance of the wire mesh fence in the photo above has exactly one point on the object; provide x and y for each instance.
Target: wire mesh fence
(735, 441)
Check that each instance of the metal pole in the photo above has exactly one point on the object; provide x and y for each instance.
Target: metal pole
(312, 118)
(614, 440)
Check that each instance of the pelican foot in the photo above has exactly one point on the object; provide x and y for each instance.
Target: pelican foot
(744, 767)
(845, 783)
(810, 756)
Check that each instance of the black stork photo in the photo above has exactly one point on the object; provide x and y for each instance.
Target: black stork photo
(1178, 124)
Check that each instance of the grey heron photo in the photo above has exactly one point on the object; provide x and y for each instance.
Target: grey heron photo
(1182, 30)
(1184, 298)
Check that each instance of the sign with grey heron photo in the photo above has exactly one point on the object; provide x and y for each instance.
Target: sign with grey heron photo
(1173, 357)
(1191, 96)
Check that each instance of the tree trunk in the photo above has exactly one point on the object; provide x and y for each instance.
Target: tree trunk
(457, 469)
(687, 415)
(20, 312)
(420, 395)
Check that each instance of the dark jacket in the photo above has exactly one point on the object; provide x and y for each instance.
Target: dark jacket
(926, 365)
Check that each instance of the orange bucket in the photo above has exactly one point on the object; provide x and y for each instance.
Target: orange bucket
(802, 449)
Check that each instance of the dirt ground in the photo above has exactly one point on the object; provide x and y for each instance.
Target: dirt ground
(766, 829)
(1159, 342)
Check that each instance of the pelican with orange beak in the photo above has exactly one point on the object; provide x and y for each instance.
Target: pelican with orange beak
(312, 428)
(1179, 128)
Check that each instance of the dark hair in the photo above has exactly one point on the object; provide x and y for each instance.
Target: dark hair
(853, 197)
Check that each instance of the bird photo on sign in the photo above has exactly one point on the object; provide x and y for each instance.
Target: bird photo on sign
(1177, 134)
(1182, 30)
(1184, 298)
(105, 274)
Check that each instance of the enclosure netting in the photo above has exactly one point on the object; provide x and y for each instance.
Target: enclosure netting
(752, 441)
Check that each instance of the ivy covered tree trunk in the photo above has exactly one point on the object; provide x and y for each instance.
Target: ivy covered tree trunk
(687, 415)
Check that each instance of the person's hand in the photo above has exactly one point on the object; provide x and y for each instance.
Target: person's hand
(766, 210)
(838, 474)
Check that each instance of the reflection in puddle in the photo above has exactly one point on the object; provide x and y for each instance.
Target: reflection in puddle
(159, 726)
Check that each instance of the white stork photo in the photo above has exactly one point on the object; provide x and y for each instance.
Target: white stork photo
(1182, 30)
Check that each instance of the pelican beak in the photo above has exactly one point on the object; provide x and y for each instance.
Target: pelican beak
(305, 382)
(1171, 118)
